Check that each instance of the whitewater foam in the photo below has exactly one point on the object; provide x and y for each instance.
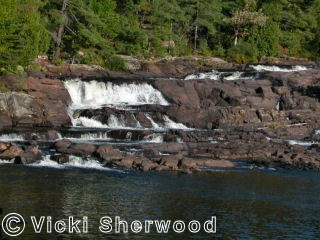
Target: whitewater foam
(75, 162)
(214, 75)
(301, 143)
(237, 76)
(88, 122)
(153, 123)
(11, 137)
(2, 161)
(95, 94)
(153, 138)
(173, 125)
(263, 68)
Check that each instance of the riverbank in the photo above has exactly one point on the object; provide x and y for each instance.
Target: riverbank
(185, 114)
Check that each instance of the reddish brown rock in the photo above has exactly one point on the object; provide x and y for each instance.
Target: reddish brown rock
(12, 152)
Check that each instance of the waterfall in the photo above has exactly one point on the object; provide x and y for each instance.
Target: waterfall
(95, 94)
(11, 137)
(214, 75)
(262, 68)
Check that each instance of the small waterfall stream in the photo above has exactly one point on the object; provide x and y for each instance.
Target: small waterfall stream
(95, 95)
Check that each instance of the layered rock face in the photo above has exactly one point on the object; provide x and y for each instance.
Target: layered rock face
(160, 119)
(43, 102)
(272, 98)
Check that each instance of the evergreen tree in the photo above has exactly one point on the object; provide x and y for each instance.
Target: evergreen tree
(82, 28)
(22, 36)
(244, 18)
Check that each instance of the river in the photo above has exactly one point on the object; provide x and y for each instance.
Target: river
(248, 204)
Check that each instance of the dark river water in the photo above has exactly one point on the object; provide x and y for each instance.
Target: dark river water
(250, 204)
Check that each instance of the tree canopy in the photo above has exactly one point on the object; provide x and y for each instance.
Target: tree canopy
(96, 31)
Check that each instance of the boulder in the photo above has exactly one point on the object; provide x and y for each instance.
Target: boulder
(210, 163)
(62, 144)
(80, 149)
(61, 158)
(171, 161)
(148, 165)
(126, 162)
(189, 163)
(106, 152)
(12, 152)
(4, 146)
(28, 158)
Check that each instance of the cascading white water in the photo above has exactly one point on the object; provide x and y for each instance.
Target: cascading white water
(2, 161)
(301, 143)
(237, 76)
(154, 138)
(11, 137)
(153, 123)
(262, 68)
(95, 94)
(75, 162)
(103, 136)
(214, 75)
(88, 122)
(173, 125)
(119, 123)
(168, 124)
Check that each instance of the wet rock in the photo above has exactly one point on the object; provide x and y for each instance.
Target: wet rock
(25, 110)
(167, 147)
(62, 144)
(107, 153)
(162, 168)
(126, 162)
(52, 135)
(28, 157)
(53, 99)
(80, 149)
(4, 146)
(12, 152)
(188, 163)
(218, 164)
(61, 158)
(148, 165)
(172, 162)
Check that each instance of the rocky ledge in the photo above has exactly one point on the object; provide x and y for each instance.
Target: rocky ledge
(270, 120)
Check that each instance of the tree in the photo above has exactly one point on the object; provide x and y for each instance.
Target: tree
(244, 18)
(22, 37)
(82, 26)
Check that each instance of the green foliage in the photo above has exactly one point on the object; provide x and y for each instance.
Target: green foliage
(243, 53)
(116, 63)
(22, 34)
(95, 31)
(267, 39)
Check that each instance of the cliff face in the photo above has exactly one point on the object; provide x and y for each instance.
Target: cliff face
(42, 103)
(270, 98)
(249, 115)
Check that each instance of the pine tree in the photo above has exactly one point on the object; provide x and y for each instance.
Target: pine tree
(244, 18)
(22, 37)
(82, 27)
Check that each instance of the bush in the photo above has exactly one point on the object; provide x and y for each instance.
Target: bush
(22, 36)
(243, 53)
(116, 63)
(204, 48)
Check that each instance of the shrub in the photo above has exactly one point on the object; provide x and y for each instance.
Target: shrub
(243, 53)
